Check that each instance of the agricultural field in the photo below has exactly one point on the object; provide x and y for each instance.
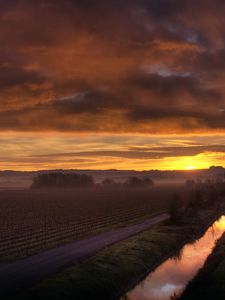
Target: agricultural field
(34, 220)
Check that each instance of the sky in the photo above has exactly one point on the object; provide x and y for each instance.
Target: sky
(111, 84)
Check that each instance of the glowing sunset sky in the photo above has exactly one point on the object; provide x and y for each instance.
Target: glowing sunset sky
(98, 84)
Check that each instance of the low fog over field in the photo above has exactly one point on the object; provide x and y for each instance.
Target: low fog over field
(14, 179)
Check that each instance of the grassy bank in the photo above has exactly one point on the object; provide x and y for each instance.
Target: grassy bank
(209, 283)
(114, 270)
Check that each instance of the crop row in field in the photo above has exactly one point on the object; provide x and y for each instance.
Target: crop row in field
(32, 221)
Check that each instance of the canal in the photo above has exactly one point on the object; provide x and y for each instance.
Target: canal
(172, 276)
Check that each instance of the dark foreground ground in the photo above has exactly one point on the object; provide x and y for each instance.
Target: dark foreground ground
(20, 274)
(34, 221)
(116, 269)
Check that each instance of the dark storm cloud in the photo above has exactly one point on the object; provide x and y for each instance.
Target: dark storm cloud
(95, 65)
(88, 110)
(11, 76)
(171, 86)
(87, 102)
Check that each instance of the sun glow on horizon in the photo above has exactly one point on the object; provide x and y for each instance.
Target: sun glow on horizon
(189, 163)
(190, 168)
(32, 153)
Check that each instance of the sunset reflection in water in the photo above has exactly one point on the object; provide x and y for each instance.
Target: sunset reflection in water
(172, 276)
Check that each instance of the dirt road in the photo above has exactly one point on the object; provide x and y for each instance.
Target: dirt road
(25, 272)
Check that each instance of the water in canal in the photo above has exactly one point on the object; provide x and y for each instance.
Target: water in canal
(172, 276)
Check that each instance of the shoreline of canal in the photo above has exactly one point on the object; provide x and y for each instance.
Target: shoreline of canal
(209, 282)
(142, 277)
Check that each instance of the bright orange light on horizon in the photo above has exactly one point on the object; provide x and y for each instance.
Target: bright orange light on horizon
(31, 152)
(191, 168)
(195, 162)
(190, 163)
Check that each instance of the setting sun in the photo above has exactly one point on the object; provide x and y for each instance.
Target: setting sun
(191, 168)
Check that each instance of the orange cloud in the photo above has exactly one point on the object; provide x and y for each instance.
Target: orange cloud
(125, 67)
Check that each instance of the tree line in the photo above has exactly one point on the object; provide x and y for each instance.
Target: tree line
(204, 194)
(62, 180)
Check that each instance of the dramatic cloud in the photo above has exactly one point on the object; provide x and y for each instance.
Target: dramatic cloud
(51, 51)
(121, 67)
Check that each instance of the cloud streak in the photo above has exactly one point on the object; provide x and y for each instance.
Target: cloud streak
(143, 153)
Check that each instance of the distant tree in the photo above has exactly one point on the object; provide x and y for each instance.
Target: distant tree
(213, 194)
(190, 183)
(61, 180)
(108, 182)
(199, 197)
(147, 181)
(222, 189)
(175, 208)
(134, 181)
(197, 200)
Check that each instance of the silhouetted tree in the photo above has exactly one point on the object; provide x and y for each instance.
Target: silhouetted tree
(109, 183)
(190, 183)
(61, 180)
(175, 208)
(134, 181)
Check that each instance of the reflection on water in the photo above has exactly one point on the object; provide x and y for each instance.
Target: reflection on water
(171, 277)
